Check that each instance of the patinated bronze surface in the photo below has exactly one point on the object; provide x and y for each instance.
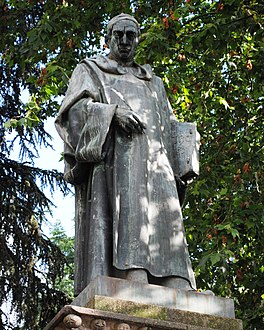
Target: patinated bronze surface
(124, 156)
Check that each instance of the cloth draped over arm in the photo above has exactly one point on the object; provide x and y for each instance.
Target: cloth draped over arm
(84, 123)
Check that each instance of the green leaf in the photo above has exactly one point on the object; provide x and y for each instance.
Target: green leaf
(215, 258)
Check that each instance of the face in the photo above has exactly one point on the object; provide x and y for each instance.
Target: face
(123, 326)
(98, 324)
(123, 41)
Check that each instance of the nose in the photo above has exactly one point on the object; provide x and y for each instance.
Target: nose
(124, 39)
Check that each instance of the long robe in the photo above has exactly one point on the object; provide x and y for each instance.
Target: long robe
(128, 213)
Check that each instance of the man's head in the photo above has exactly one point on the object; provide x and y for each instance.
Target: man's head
(122, 38)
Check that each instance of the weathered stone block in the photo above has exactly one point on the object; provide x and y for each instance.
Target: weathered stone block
(150, 294)
(116, 304)
(73, 317)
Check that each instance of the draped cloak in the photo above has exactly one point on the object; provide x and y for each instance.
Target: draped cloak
(128, 213)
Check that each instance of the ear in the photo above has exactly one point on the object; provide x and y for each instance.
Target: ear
(138, 36)
(106, 39)
(137, 40)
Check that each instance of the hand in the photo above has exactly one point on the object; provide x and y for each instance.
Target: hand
(129, 121)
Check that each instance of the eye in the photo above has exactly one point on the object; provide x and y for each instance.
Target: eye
(131, 35)
(118, 34)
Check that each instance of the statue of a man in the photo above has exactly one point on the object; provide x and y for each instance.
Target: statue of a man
(116, 124)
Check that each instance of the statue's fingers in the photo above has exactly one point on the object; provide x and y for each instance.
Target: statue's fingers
(140, 125)
(131, 124)
(143, 127)
(126, 128)
(135, 126)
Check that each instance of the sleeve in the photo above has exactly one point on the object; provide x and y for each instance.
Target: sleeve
(83, 123)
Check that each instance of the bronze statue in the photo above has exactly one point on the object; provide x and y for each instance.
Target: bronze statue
(120, 155)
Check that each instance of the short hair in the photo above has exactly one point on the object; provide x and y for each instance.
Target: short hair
(118, 18)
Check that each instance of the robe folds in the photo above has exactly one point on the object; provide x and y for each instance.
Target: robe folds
(128, 214)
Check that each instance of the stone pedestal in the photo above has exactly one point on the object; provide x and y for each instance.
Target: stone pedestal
(116, 304)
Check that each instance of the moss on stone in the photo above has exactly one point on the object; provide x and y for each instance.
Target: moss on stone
(163, 313)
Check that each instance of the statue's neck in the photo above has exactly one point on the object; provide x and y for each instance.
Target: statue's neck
(120, 62)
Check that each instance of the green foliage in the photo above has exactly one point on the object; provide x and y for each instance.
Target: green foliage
(30, 262)
(209, 54)
(66, 245)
